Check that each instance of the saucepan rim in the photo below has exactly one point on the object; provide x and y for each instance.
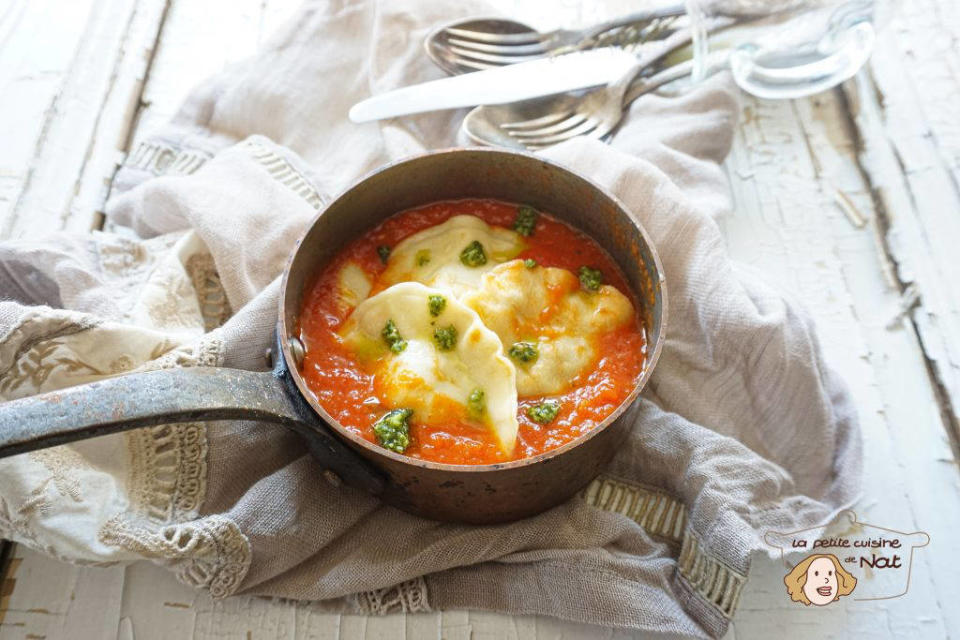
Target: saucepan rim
(288, 297)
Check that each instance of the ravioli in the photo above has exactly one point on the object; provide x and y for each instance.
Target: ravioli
(435, 257)
(353, 286)
(438, 360)
(546, 307)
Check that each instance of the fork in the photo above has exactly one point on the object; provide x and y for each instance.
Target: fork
(594, 114)
(457, 49)
(541, 122)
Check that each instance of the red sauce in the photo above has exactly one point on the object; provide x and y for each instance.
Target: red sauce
(350, 394)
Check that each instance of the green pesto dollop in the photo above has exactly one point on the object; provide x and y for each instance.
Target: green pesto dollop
(590, 279)
(422, 257)
(544, 412)
(391, 335)
(437, 304)
(393, 429)
(477, 404)
(526, 220)
(473, 255)
(445, 337)
(529, 263)
(524, 352)
(384, 252)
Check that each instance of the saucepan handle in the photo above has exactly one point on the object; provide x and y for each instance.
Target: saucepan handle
(191, 394)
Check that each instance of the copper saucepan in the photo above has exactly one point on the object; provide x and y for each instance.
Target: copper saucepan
(465, 493)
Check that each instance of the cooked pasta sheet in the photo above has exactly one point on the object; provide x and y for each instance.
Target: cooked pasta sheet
(452, 255)
(442, 362)
(547, 308)
(471, 332)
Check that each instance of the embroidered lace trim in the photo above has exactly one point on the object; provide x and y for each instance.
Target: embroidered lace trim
(713, 580)
(661, 515)
(168, 484)
(35, 329)
(169, 462)
(168, 475)
(211, 297)
(665, 517)
(210, 553)
(163, 159)
(406, 597)
(169, 471)
(284, 172)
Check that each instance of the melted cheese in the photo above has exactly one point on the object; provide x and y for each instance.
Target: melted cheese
(432, 256)
(546, 306)
(435, 383)
(353, 286)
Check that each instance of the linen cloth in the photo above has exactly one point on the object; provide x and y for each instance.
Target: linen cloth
(743, 428)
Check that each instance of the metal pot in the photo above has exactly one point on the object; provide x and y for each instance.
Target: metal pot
(464, 493)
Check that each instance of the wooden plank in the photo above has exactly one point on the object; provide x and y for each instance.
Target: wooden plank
(58, 601)
(906, 113)
(315, 624)
(116, 120)
(788, 160)
(156, 607)
(87, 94)
(424, 625)
(190, 51)
(37, 54)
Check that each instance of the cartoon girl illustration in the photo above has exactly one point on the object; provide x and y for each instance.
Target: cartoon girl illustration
(819, 579)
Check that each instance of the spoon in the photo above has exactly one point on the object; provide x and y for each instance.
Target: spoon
(468, 45)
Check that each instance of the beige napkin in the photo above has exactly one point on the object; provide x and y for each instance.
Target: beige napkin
(743, 428)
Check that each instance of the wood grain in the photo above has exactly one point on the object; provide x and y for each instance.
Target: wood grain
(72, 108)
(905, 111)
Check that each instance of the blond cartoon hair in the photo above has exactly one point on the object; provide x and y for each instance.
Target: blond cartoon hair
(797, 578)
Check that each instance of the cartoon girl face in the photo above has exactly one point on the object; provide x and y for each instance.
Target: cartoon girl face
(821, 585)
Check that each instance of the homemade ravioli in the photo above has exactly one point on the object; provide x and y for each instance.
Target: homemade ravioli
(471, 332)
(453, 255)
(441, 363)
(353, 286)
(545, 310)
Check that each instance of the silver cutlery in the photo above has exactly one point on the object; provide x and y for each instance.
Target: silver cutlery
(546, 76)
(542, 122)
(482, 43)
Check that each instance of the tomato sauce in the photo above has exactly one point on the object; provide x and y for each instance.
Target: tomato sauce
(350, 394)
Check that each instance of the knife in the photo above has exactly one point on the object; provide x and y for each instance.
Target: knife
(556, 74)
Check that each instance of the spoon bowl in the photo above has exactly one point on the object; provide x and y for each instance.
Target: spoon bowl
(460, 47)
(474, 44)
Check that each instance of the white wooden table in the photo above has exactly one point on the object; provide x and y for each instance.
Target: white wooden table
(82, 80)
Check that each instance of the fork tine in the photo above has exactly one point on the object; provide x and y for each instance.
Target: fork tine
(495, 38)
(510, 49)
(565, 124)
(537, 122)
(492, 58)
(602, 130)
(584, 128)
(472, 64)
